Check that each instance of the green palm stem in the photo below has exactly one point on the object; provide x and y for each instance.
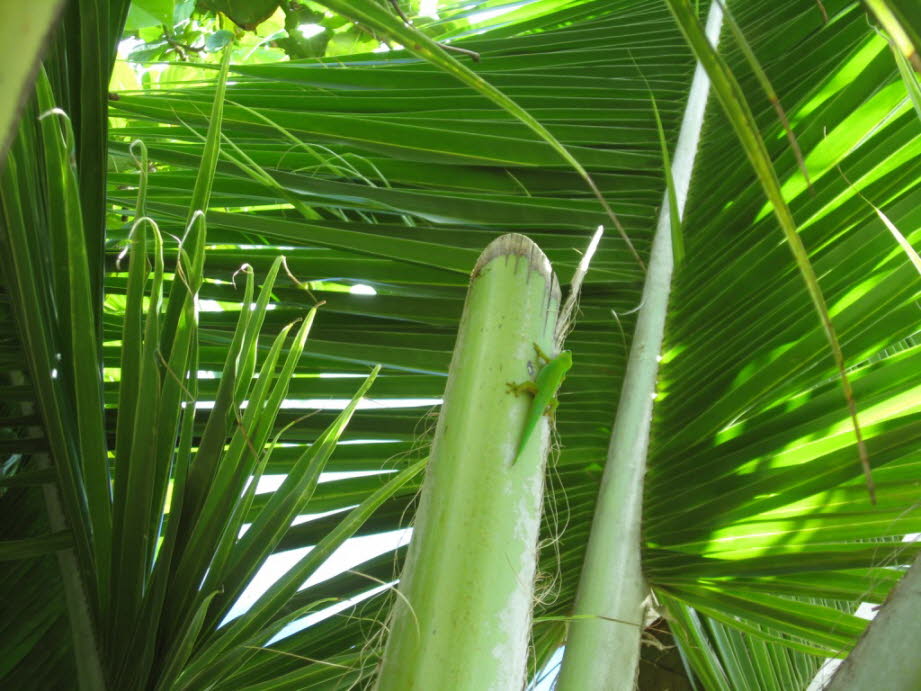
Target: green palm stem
(23, 38)
(462, 615)
(886, 656)
(603, 644)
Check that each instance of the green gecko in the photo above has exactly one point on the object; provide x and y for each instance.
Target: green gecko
(544, 389)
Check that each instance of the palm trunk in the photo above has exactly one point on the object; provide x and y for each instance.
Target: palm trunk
(463, 615)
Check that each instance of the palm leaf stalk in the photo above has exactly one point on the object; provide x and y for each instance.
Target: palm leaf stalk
(900, 20)
(892, 635)
(610, 608)
(465, 595)
(22, 39)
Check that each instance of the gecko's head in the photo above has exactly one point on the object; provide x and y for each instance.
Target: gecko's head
(565, 358)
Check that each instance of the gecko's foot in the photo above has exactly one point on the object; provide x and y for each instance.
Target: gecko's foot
(523, 387)
(541, 355)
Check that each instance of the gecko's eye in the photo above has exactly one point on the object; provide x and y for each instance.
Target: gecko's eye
(531, 372)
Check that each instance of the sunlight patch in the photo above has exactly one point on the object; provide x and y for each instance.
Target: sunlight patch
(310, 30)
(362, 289)
(428, 8)
(490, 14)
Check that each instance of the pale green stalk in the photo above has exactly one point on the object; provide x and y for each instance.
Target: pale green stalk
(603, 646)
(886, 657)
(462, 616)
(23, 37)
(894, 23)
